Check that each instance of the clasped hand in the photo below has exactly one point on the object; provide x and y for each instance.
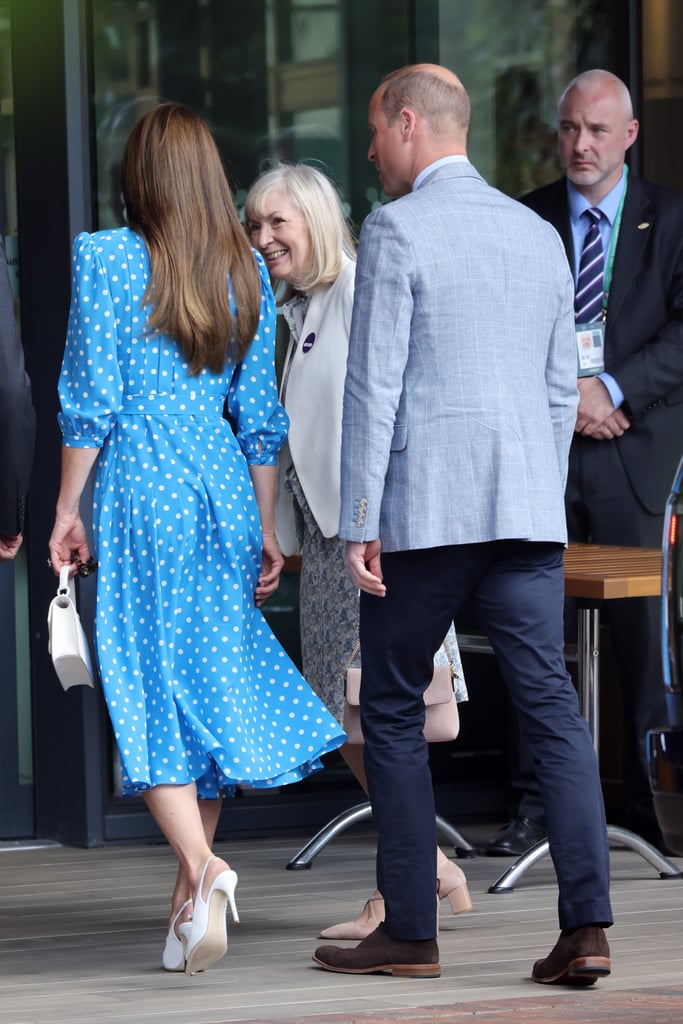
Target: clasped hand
(596, 416)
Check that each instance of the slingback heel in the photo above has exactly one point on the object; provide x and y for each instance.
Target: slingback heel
(174, 950)
(206, 934)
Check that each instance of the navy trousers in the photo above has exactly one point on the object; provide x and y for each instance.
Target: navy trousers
(517, 590)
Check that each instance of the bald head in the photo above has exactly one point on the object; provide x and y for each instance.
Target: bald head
(599, 81)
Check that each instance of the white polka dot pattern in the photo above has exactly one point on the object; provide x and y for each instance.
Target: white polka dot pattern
(197, 686)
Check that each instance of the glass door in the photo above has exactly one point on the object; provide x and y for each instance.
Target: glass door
(16, 749)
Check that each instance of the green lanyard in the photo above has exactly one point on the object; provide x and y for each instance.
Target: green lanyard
(607, 280)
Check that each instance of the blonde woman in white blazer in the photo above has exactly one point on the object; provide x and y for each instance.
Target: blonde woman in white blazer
(295, 219)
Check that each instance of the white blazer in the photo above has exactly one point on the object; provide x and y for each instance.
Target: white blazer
(313, 396)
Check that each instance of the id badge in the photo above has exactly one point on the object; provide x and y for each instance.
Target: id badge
(590, 347)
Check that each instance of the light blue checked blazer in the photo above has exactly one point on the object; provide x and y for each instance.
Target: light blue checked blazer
(460, 397)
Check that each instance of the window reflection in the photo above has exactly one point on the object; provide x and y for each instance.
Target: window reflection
(514, 57)
(276, 79)
(8, 180)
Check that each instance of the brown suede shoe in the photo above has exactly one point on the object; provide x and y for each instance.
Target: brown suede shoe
(379, 952)
(577, 959)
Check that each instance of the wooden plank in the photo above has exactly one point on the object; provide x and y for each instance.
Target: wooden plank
(604, 571)
(82, 931)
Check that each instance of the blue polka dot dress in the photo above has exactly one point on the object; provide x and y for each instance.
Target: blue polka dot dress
(197, 687)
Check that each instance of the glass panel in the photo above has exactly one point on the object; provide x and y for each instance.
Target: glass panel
(663, 91)
(272, 78)
(515, 57)
(16, 776)
(276, 80)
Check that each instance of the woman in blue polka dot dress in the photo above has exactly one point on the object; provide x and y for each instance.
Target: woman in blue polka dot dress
(200, 693)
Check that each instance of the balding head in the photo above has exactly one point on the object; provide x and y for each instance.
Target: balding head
(434, 93)
(418, 115)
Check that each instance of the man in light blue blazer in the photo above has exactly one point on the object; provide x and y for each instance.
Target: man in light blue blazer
(459, 409)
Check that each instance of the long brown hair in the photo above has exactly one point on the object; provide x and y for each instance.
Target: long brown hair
(178, 198)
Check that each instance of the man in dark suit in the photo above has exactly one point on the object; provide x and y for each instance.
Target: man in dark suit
(17, 424)
(629, 429)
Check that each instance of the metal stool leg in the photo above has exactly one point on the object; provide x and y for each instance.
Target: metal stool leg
(589, 648)
(621, 836)
(304, 858)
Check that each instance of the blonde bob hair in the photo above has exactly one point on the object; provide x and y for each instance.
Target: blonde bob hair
(312, 193)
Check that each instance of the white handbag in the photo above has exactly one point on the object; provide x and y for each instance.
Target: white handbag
(67, 642)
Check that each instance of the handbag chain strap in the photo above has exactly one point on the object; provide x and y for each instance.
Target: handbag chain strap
(356, 652)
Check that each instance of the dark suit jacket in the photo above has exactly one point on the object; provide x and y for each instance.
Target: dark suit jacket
(17, 416)
(644, 333)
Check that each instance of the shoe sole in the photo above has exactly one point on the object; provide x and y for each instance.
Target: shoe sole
(213, 945)
(398, 970)
(585, 970)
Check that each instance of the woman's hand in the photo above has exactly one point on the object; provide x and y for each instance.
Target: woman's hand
(68, 535)
(272, 561)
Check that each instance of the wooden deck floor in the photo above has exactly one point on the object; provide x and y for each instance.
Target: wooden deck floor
(81, 935)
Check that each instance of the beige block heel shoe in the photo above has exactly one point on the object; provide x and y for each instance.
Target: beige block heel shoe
(370, 916)
(451, 885)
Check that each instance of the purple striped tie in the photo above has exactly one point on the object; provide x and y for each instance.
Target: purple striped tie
(589, 287)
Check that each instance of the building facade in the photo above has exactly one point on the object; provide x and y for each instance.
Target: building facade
(273, 78)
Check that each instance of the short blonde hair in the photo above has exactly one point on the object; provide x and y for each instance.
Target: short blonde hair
(312, 193)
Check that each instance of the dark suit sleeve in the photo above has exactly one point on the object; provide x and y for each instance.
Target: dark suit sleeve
(17, 416)
(646, 332)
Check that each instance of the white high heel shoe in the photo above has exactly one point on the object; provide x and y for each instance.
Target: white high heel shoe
(174, 950)
(206, 934)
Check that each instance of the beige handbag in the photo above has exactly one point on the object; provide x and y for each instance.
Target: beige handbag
(442, 721)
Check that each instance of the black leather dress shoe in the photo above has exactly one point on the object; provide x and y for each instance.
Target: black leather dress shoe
(515, 838)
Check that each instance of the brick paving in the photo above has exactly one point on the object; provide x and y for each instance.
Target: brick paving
(590, 1006)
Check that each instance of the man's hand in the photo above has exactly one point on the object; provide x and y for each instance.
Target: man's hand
(363, 564)
(9, 545)
(596, 416)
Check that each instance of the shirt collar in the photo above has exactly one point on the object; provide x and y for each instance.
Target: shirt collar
(608, 206)
(453, 158)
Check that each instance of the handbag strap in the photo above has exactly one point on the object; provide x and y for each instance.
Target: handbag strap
(354, 654)
(63, 587)
(449, 659)
(356, 651)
